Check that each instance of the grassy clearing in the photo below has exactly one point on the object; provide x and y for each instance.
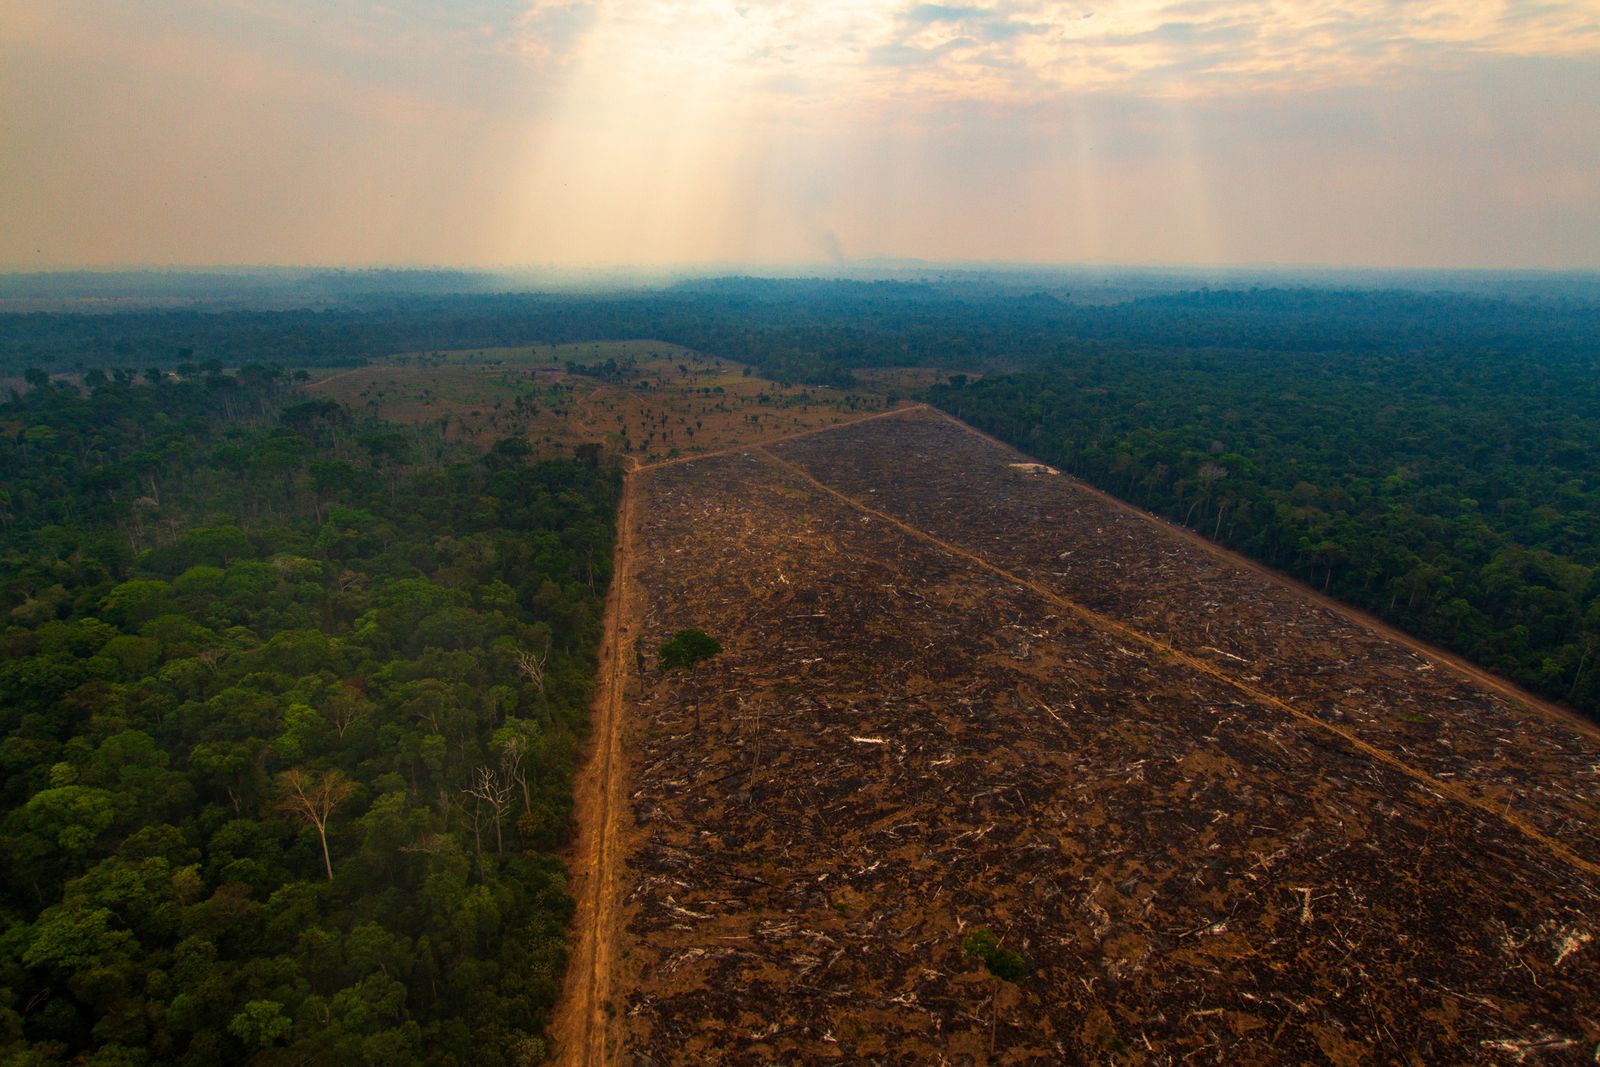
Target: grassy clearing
(643, 399)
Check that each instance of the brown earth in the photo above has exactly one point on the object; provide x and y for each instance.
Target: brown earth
(579, 1030)
(1221, 821)
(1528, 759)
(664, 401)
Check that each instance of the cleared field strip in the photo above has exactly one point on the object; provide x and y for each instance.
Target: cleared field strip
(764, 442)
(926, 720)
(1535, 766)
(1110, 626)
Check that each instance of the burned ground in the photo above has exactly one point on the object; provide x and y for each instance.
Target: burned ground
(1220, 822)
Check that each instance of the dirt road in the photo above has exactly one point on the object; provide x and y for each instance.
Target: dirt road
(580, 1030)
(765, 441)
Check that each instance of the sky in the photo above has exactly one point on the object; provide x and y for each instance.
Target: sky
(1382, 133)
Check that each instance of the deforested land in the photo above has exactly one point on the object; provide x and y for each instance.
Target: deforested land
(964, 701)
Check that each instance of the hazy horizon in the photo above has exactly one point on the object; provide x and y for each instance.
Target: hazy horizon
(876, 266)
(681, 134)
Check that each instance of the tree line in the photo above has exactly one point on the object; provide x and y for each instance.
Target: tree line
(815, 330)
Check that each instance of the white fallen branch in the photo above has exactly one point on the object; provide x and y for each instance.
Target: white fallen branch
(1572, 942)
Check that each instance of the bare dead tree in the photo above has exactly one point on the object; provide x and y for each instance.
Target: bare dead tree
(1209, 474)
(343, 709)
(493, 790)
(531, 664)
(514, 766)
(476, 812)
(313, 796)
(446, 806)
(429, 713)
(1590, 641)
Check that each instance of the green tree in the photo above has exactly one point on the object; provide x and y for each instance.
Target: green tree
(261, 1024)
(1004, 964)
(685, 649)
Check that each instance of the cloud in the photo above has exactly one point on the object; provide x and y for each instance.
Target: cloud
(1207, 47)
(990, 24)
(926, 13)
(549, 30)
(784, 56)
(1189, 34)
(906, 57)
(660, 130)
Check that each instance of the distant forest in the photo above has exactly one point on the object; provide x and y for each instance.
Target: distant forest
(289, 704)
(1428, 456)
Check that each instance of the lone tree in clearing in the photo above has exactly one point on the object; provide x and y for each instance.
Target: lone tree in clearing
(686, 648)
(1006, 964)
(313, 796)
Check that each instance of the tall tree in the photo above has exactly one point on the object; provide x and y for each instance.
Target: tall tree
(314, 796)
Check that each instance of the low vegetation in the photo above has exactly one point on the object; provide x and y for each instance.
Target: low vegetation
(645, 400)
(686, 648)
